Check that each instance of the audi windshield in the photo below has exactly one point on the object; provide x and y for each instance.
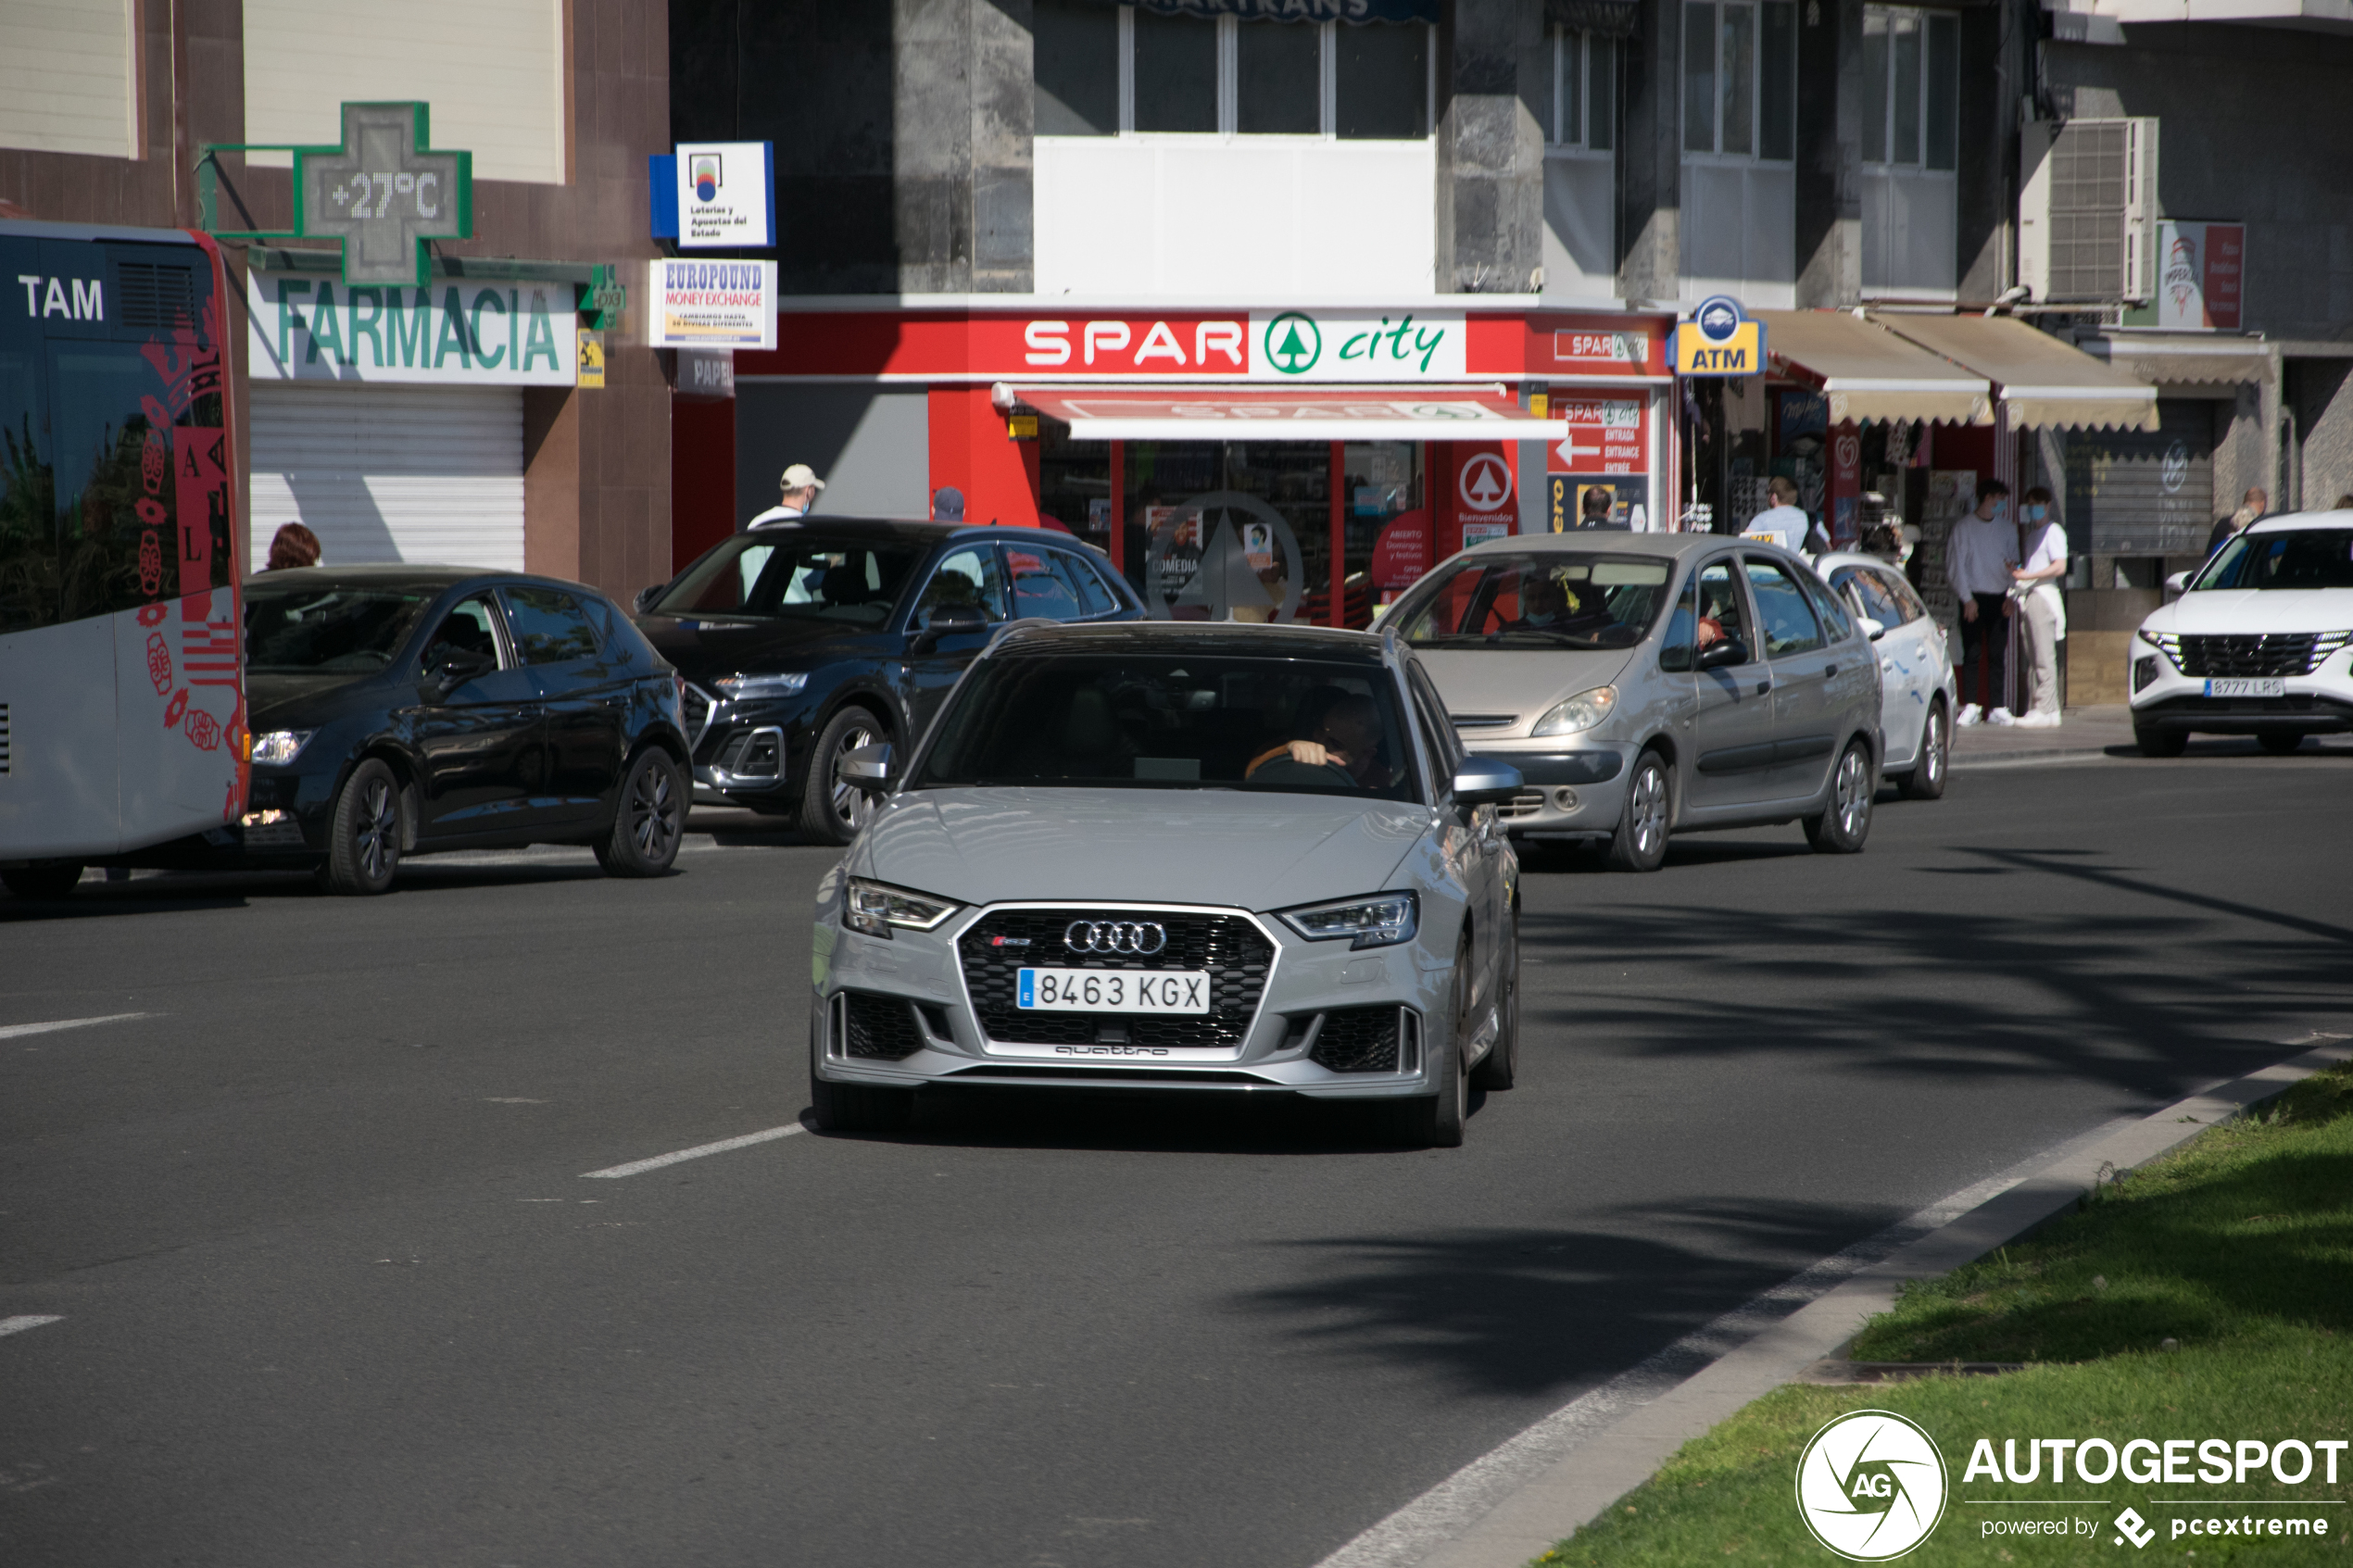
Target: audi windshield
(1539, 600)
(784, 573)
(1174, 720)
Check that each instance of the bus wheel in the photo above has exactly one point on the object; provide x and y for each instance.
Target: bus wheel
(365, 848)
(40, 882)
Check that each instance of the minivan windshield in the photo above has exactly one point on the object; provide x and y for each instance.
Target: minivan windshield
(1541, 600)
(328, 630)
(1174, 720)
(2301, 557)
(786, 573)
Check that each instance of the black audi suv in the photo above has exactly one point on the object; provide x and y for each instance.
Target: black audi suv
(807, 640)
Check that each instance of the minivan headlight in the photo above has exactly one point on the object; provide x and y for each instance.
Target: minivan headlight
(752, 688)
(1580, 712)
(279, 747)
(873, 907)
(1378, 919)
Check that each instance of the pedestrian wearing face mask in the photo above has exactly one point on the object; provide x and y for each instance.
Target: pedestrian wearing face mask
(2043, 561)
(1979, 556)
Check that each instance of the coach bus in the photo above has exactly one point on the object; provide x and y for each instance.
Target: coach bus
(123, 716)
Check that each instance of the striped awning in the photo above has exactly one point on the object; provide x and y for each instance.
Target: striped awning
(2044, 383)
(1870, 373)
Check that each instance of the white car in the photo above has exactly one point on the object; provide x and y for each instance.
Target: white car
(2256, 644)
(1917, 694)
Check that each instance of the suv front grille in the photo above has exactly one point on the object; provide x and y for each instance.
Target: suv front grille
(1236, 954)
(879, 1027)
(2283, 653)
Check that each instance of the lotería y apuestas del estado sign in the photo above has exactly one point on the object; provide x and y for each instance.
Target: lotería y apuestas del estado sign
(311, 327)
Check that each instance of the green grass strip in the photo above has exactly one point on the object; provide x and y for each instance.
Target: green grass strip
(2237, 1247)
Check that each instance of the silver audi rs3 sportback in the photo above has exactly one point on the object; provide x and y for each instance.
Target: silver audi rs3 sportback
(1174, 855)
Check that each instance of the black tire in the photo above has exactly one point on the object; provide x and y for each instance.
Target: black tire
(1846, 821)
(831, 812)
(363, 845)
(1926, 781)
(650, 819)
(42, 882)
(2154, 742)
(2280, 743)
(860, 1107)
(1436, 1120)
(1498, 1069)
(1638, 844)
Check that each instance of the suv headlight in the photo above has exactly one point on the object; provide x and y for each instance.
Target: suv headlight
(1580, 712)
(873, 907)
(752, 688)
(279, 747)
(1378, 919)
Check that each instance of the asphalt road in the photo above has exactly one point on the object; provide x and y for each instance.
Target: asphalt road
(333, 1289)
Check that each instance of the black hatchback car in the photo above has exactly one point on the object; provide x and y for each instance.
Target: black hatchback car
(804, 641)
(400, 710)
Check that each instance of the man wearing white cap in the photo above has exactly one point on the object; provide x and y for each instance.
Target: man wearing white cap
(800, 486)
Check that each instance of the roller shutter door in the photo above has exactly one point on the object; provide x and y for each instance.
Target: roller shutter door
(2144, 493)
(391, 473)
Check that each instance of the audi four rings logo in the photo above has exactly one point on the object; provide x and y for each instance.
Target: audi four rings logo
(1115, 936)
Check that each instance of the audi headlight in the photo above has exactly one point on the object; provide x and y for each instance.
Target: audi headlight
(873, 907)
(1580, 712)
(1381, 919)
(752, 688)
(279, 747)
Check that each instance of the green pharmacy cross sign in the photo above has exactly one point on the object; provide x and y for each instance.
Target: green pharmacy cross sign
(384, 193)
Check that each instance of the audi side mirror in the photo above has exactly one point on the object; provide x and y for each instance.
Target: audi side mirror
(866, 769)
(648, 597)
(1871, 629)
(1723, 652)
(1482, 781)
(947, 621)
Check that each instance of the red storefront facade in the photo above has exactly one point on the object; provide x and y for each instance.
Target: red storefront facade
(1380, 437)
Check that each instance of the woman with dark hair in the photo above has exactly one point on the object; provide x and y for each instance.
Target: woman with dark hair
(293, 546)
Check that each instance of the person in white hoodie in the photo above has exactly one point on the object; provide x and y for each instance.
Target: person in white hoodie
(2042, 552)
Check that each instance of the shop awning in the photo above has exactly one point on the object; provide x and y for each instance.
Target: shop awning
(1868, 372)
(2185, 357)
(2044, 383)
(1241, 413)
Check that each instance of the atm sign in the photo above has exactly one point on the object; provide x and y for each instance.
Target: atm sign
(1740, 354)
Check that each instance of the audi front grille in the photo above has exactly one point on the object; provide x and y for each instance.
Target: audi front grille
(1230, 948)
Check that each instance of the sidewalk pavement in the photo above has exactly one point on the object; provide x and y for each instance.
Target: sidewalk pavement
(2083, 732)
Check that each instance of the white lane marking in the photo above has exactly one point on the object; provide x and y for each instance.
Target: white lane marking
(31, 1320)
(10, 1032)
(722, 1146)
(510, 1099)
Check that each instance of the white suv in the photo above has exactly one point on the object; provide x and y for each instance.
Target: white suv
(2256, 644)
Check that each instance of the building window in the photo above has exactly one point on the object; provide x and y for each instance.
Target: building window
(1582, 114)
(1107, 71)
(1911, 88)
(1740, 79)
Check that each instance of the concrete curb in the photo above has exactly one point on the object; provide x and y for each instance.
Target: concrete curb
(1618, 1448)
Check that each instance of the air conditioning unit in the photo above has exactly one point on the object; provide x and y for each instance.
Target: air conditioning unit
(2087, 218)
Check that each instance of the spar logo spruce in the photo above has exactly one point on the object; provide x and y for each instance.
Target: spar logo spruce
(1871, 1486)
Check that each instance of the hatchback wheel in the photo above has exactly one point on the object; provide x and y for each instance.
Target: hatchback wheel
(363, 846)
(832, 812)
(1640, 842)
(1436, 1120)
(1500, 1066)
(650, 819)
(1926, 781)
(1846, 821)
